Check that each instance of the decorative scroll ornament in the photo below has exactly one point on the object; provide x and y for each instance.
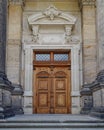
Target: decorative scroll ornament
(52, 12)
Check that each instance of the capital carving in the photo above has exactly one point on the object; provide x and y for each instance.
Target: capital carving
(18, 2)
(87, 3)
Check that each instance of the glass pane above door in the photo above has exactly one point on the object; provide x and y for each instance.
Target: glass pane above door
(60, 57)
(42, 57)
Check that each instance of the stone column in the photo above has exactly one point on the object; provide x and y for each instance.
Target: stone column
(5, 84)
(89, 42)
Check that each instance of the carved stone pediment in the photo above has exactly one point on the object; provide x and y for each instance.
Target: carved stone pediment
(51, 16)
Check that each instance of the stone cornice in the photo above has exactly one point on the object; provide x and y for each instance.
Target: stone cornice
(87, 3)
(16, 2)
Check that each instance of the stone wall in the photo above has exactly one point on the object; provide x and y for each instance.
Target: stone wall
(100, 33)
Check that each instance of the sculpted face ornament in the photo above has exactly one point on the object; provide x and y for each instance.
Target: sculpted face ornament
(68, 33)
(35, 29)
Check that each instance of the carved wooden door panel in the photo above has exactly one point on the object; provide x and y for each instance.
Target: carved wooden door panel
(42, 92)
(52, 90)
(62, 91)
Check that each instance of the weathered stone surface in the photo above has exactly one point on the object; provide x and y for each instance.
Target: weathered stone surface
(98, 95)
(17, 94)
(69, 5)
(86, 99)
(100, 33)
(89, 40)
(5, 84)
(3, 9)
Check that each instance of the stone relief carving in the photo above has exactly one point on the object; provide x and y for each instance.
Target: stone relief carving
(35, 29)
(52, 12)
(68, 33)
(52, 17)
(69, 38)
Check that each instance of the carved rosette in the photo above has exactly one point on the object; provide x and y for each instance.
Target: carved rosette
(18, 2)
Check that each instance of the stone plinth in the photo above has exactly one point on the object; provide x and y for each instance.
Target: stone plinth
(5, 97)
(17, 99)
(98, 95)
(86, 99)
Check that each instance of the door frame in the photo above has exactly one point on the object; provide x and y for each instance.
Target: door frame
(76, 74)
(52, 65)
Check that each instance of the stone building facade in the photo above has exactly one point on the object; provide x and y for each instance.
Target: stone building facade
(72, 28)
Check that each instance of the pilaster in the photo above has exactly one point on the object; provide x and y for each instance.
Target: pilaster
(14, 39)
(89, 39)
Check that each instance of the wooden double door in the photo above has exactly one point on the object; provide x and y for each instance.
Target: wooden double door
(52, 90)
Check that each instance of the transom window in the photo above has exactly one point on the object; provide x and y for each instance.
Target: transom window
(51, 56)
(42, 57)
(61, 57)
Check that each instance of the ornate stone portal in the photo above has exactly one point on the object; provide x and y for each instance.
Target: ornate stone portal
(47, 30)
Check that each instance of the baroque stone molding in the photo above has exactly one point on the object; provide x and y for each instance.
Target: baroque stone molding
(87, 3)
(18, 2)
(51, 16)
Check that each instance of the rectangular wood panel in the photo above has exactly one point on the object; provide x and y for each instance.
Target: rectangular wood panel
(43, 95)
(60, 95)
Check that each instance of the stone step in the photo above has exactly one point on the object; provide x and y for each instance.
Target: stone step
(51, 125)
(52, 122)
(52, 129)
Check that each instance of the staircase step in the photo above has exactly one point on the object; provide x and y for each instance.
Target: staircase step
(52, 123)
